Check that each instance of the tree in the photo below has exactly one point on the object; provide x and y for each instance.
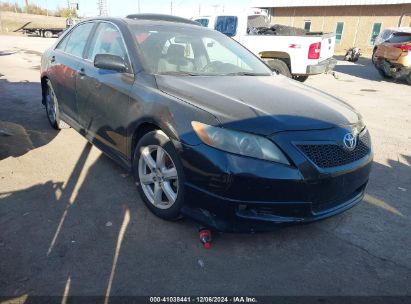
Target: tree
(65, 12)
(10, 7)
(35, 9)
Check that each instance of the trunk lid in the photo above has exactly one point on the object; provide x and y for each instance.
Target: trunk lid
(327, 46)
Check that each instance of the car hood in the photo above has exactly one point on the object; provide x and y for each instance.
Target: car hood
(260, 104)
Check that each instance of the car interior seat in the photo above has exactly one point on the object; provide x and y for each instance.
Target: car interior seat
(175, 61)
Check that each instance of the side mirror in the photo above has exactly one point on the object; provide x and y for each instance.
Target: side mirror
(110, 62)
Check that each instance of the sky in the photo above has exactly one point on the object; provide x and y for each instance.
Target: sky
(120, 8)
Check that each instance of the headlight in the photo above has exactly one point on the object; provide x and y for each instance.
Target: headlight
(239, 143)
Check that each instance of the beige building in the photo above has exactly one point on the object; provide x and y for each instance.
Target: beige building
(355, 22)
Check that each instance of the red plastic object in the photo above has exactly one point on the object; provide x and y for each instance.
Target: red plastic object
(403, 47)
(205, 238)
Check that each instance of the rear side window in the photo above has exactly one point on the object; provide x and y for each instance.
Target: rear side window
(227, 25)
(204, 22)
(78, 39)
(400, 38)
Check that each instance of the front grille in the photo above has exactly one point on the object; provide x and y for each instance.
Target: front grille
(327, 205)
(333, 155)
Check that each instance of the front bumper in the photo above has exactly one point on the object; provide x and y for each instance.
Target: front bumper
(324, 66)
(233, 193)
(223, 214)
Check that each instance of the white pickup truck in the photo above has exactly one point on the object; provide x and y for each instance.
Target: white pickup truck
(289, 51)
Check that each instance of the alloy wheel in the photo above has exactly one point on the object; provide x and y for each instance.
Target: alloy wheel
(158, 176)
(51, 105)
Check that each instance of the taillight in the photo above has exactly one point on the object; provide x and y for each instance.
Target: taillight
(314, 51)
(403, 47)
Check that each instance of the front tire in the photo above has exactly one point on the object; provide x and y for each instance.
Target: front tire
(300, 78)
(380, 69)
(159, 175)
(409, 78)
(373, 55)
(383, 74)
(279, 67)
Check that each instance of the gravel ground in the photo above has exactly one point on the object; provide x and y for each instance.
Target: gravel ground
(71, 221)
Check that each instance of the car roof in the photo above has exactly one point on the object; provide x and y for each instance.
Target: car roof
(406, 29)
(151, 19)
(162, 17)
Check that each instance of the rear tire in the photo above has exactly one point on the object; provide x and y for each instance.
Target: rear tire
(279, 67)
(48, 34)
(159, 172)
(52, 109)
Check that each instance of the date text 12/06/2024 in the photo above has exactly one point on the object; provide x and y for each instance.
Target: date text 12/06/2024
(239, 299)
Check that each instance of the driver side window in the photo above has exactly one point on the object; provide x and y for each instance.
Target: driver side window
(107, 40)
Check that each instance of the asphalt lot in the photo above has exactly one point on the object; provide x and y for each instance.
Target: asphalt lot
(71, 220)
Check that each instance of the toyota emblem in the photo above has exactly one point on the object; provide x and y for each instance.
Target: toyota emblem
(350, 141)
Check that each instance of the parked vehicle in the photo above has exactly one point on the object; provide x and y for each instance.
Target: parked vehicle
(386, 35)
(289, 51)
(208, 130)
(352, 54)
(47, 30)
(392, 58)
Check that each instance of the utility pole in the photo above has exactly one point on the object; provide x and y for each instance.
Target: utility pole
(138, 6)
(171, 7)
(103, 8)
(199, 9)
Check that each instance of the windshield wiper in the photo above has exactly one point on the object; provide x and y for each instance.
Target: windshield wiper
(245, 74)
(180, 73)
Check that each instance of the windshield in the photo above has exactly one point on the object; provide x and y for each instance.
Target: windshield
(195, 52)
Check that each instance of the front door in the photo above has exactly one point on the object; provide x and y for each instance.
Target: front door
(103, 95)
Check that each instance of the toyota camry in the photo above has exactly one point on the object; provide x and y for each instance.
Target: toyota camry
(207, 129)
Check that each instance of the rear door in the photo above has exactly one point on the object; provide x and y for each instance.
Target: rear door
(64, 63)
(103, 95)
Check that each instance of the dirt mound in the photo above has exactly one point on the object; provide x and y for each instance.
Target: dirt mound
(10, 22)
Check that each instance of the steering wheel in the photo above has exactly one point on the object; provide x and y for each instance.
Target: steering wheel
(211, 65)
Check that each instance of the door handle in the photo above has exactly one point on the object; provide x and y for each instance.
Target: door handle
(82, 72)
(53, 59)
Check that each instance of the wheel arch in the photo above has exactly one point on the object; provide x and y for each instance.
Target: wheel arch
(140, 130)
(284, 56)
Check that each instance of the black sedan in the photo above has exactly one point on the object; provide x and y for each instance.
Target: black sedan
(207, 129)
